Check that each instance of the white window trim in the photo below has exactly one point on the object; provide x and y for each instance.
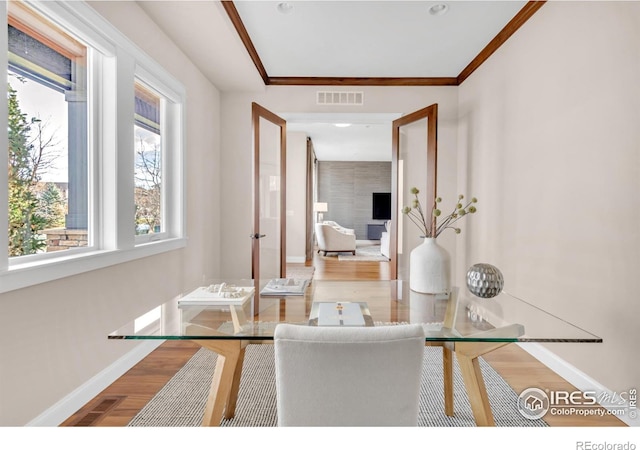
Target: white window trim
(170, 114)
(112, 240)
(4, 155)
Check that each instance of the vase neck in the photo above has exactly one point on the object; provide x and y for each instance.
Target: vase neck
(428, 239)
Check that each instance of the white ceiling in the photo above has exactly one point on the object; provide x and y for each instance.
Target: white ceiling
(203, 31)
(372, 38)
(367, 138)
(330, 38)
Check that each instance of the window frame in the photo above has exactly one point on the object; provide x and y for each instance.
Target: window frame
(114, 63)
(169, 115)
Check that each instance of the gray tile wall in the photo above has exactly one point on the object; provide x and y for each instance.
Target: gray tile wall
(347, 186)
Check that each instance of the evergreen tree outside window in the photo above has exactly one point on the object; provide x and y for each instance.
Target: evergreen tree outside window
(47, 113)
(68, 199)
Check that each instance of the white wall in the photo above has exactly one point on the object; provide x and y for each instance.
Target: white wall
(53, 337)
(236, 147)
(549, 143)
(296, 196)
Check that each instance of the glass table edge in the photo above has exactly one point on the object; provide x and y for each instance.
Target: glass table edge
(594, 340)
(591, 338)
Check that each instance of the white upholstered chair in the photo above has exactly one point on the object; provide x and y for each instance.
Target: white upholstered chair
(348, 376)
(339, 227)
(385, 240)
(330, 239)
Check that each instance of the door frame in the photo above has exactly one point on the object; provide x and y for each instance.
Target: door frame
(431, 114)
(259, 112)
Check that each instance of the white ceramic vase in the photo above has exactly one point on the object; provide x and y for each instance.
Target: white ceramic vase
(429, 268)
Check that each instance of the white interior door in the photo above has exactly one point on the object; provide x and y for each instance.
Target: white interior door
(269, 198)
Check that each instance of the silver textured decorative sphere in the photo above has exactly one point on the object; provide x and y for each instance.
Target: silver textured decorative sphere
(484, 280)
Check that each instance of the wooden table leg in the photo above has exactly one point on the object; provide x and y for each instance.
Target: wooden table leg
(230, 410)
(476, 390)
(447, 364)
(467, 354)
(222, 382)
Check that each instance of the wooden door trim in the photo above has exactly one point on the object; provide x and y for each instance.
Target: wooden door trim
(258, 112)
(431, 114)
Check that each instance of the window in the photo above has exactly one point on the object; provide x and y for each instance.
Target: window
(148, 164)
(47, 109)
(71, 200)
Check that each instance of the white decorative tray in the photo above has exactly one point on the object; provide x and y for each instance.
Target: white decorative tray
(285, 286)
(218, 294)
(340, 313)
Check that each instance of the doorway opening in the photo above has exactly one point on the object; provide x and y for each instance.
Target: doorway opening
(351, 177)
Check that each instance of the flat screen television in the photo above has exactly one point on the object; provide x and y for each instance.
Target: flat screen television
(382, 205)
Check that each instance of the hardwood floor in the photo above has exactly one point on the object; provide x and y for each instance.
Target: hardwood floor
(118, 404)
(329, 268)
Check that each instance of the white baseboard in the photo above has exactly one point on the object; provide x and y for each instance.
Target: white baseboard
(572, 374)
(296, 259)
(64, 408)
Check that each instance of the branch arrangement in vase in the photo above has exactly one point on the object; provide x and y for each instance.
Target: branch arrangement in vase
(416, 214)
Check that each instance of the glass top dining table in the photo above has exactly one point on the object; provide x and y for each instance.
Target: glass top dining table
(231, 310)
(227, 315)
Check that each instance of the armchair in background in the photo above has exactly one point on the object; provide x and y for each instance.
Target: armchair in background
(331, 239)
(339, 227)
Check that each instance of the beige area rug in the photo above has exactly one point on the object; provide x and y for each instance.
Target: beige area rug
(181, 402)
(366, 253)
(299, 271)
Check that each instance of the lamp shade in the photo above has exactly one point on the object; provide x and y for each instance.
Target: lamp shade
(320, 207)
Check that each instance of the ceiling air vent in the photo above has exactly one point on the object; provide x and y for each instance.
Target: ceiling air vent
(339, 98)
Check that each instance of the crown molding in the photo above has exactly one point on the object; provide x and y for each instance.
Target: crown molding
(234, 16)
(361, 81)
(514, 24)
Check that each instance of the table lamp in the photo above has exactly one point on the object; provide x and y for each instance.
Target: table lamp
(320, 208)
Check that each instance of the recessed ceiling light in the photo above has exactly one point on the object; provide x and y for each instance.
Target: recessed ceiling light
(342, 125)
(285, 7)
(439, 9)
